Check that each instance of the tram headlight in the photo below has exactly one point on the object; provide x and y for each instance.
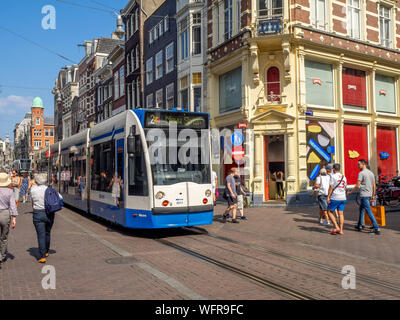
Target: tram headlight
(208, 193)
(160, 195)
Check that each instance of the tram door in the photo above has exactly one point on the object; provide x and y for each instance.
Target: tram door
(120, 168)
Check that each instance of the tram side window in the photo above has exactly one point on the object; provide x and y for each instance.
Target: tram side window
(138, 185)
(103, 166)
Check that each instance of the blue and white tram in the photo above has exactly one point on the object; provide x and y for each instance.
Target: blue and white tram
(106, 171)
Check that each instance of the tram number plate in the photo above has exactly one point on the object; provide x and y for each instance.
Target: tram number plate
(179, 201)
(101, 196)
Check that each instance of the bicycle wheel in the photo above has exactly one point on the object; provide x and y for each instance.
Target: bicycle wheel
(390, 201)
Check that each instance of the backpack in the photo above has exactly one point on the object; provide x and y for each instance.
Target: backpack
(52, 201)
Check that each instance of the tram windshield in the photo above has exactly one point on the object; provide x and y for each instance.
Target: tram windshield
(174, 161)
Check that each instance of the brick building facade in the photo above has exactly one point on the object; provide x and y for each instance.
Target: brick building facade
(315, 81)
(42, 128)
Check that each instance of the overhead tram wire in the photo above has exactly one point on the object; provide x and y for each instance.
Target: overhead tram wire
(37, 44)
(203, 10)
(22, 87)
(104, 5)
(85, 6)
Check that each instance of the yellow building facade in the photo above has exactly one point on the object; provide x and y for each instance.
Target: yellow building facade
(308, 96)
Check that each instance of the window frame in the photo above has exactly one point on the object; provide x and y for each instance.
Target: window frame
(169, 58)
(183, 89)
(167, 97)
(152, 100)
(228, 19)
(157, 98)
(351, 9)
(387, 42)
(275, 97)
(159, 64)
(149, 71)
(315, 14)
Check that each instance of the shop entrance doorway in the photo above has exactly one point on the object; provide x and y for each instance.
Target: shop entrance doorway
(274, 168)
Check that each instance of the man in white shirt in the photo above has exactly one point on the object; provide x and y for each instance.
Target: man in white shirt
(322, 183)
(337, 197)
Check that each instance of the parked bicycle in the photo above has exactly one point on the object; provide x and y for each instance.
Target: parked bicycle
(387, 192)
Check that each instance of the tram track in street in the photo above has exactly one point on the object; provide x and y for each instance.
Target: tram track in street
(320, 266)
(283, 290)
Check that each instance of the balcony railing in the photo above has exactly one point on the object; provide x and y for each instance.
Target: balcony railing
(270, 13)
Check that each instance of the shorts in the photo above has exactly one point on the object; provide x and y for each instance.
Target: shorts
(240, 202)
(322, 202)
(231, 201)
(337, 204)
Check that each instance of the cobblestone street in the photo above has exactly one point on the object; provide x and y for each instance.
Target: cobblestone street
(95, 260)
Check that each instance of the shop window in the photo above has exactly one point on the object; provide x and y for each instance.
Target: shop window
(230, 90)
(354, 88)
(385, 93)
(355, 148)
(320, 146)
(386, 143)
(319, 84)
(273, 85)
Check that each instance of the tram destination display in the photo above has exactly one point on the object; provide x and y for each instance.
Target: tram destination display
(183, 120)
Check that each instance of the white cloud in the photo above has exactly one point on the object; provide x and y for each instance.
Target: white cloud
(12, 103)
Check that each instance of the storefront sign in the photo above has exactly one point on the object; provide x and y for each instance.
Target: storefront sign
(309, 113)
(238, 153)
(242, 125)
(270, 26)
(384, 155)
(317, 81)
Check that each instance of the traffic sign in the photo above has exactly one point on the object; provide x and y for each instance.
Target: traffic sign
(237, 138)
(238, 153)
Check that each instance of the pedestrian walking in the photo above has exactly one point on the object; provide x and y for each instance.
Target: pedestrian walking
(214, 184)
(240, 195)
(42, 221)
(25, 184)
(16, 184)
(322, 185)
(231, 196)
(337, 198)
(8, 213)
(366, 185)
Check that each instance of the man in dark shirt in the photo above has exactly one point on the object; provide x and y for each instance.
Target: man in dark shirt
(230, 195)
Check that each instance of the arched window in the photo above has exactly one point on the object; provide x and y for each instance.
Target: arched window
(273, 87)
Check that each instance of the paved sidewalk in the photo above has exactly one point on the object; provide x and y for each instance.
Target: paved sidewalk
(94, 260)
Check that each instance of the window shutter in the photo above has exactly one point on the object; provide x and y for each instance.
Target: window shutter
(312, 12)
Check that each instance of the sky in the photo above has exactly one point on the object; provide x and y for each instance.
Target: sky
(28, 70)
